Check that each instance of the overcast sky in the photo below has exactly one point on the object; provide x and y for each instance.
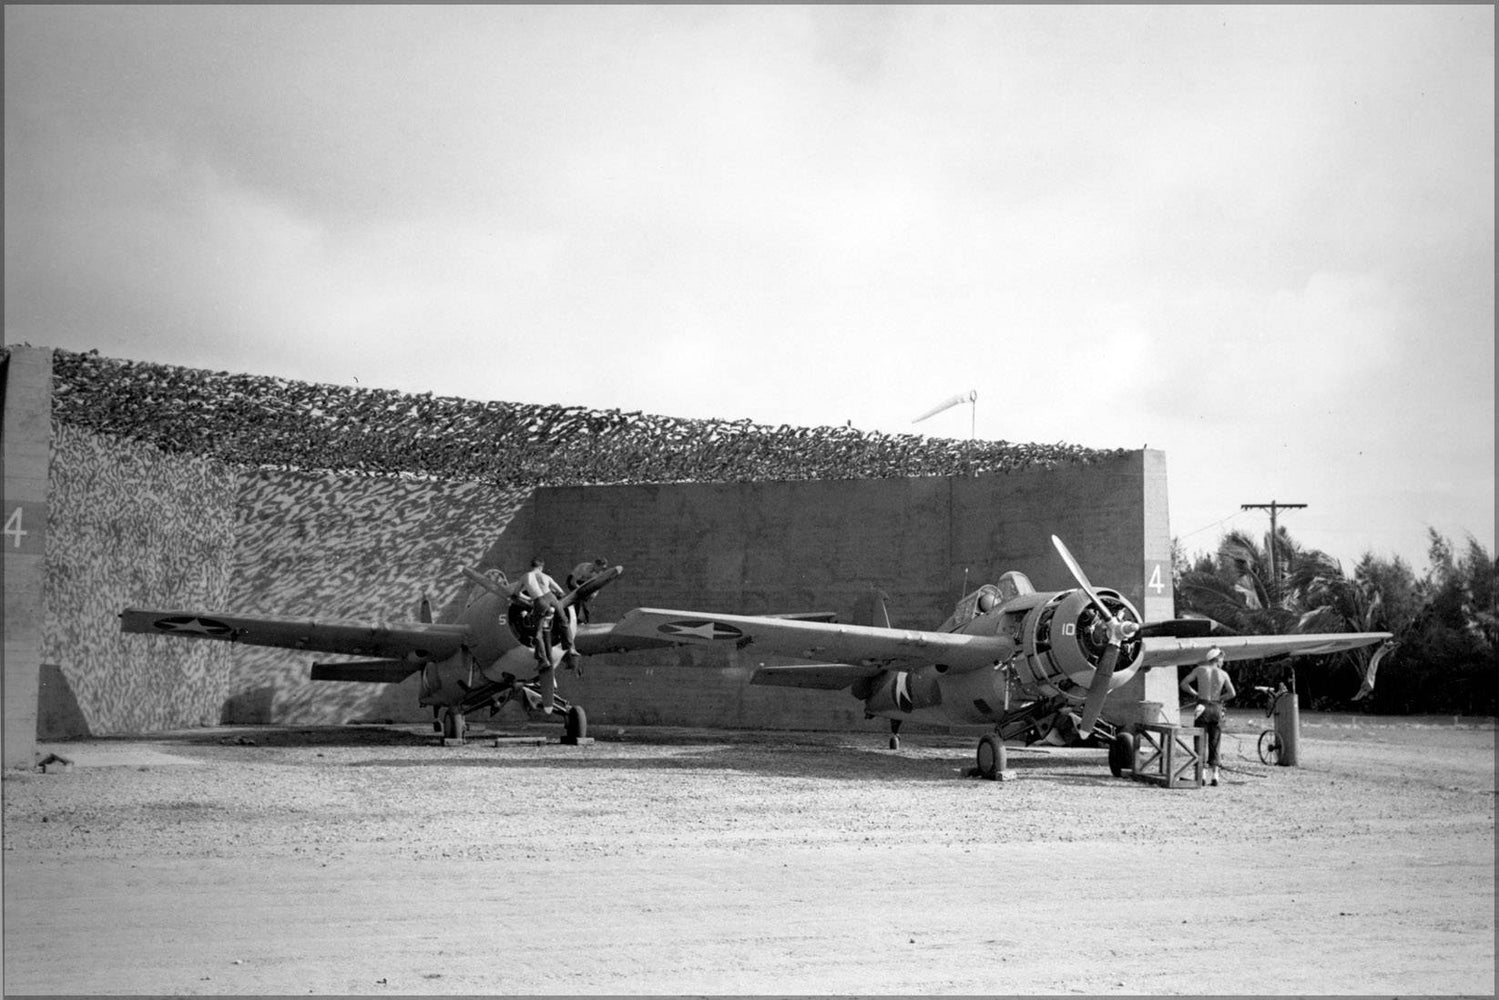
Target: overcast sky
(1259, 239)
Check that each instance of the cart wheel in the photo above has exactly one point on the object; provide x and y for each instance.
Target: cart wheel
(1270, 747)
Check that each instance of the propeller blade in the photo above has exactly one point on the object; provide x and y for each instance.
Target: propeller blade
(488, 584)
(1081, 577)
(591, 586)
(1178, 628)
(1098, 690)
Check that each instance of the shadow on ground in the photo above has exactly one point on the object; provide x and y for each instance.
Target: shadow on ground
(790, 754)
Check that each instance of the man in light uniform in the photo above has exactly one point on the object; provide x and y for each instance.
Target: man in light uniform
(1210, 685)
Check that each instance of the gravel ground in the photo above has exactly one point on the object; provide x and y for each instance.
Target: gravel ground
(370, 860)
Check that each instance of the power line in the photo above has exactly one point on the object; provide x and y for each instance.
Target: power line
(1215, 524)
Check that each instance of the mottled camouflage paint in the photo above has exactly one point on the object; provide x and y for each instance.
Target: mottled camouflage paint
(347, 546)
(133, 526)
(129, 524)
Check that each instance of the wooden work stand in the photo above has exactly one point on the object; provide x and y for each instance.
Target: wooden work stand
(1170, 756)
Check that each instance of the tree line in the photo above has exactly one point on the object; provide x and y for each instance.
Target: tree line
(1444, 621)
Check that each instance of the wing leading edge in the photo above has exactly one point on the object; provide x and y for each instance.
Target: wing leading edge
(823, 642)
(411, 642)
(1161, 651)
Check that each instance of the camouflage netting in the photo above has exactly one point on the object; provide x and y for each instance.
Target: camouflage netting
(258, 421)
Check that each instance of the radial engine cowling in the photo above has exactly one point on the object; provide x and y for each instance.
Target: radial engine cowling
(1063, 639)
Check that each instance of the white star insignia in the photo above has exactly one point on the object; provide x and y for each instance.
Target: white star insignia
(701, 630)
(193, 626)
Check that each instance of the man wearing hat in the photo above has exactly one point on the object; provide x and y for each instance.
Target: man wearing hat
(1210, 686)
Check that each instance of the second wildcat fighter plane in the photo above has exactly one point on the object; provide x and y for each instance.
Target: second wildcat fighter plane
(1009, 656)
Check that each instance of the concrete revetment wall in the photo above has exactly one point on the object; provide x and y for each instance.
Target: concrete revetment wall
(826, 546)
(113, 521)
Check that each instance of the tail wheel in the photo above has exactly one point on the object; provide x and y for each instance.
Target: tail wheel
(990, 757)
(575, 726)
(1270, 747)
(1121, 753)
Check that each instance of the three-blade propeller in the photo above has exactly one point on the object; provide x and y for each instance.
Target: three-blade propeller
(1120, 631)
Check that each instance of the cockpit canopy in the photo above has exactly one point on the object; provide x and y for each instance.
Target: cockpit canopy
(990, 597)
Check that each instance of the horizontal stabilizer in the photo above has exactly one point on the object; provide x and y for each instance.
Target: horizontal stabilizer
(365, 671)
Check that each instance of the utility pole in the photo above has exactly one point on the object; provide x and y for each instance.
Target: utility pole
(1273, 507)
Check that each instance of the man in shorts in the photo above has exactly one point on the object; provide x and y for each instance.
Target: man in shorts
(1210, 686)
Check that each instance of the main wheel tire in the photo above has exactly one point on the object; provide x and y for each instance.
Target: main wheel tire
(575, 726)
(1270, 747)
(990, 754)
(895, 743)
(1121, 753)
(452, 726)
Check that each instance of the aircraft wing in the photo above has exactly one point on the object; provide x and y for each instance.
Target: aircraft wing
(1162, 651)
(822, 676)
(859, 645)
(409, 641)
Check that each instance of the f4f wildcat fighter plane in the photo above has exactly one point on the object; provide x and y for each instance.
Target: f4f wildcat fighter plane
(488, 654)
(1009, 656)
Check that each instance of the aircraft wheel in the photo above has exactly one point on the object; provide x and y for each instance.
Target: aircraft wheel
(1270, 747)
(575, 726)
(1121, 753)
(990, 757)
(895, 743)
(452, 725)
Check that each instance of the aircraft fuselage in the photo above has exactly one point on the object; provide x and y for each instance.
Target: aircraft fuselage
(1056, 640)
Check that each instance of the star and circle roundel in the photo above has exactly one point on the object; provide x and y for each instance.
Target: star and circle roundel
(192, 625)
(699, 628)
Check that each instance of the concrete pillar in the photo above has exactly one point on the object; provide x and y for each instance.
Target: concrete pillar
(27, 377)
(1159, 602)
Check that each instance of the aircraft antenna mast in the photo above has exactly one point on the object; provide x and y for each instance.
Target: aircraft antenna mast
(1273, 507)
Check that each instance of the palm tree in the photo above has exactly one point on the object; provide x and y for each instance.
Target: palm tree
(1312, 594)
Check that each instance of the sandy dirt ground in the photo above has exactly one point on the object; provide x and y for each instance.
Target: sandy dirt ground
(368, 860)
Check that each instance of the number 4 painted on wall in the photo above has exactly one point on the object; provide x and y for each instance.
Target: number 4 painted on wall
(1156, 583)
(13, 527)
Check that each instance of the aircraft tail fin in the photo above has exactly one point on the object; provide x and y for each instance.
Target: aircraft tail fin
(872, 609)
